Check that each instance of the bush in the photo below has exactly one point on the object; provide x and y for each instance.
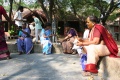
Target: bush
(11, 32)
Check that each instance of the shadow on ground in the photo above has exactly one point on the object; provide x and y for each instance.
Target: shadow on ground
(40, 67)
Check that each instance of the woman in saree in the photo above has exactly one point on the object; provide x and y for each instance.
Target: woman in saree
(45, 39)
(24, 42)
(4, 52)
(67, 42)
(100, 43)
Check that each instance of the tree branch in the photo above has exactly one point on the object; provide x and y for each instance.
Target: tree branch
(44, 9)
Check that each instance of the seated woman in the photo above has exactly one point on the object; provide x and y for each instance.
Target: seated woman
(67, 42)
(100, 43)
(24, 42)
(45, 39)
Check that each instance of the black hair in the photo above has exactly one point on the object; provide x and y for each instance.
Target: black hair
(27, 25)
(47, 24)
(20, 7)
(94, 19)
(86, 27)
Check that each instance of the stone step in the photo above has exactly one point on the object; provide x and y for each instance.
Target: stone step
(110, 67)
(57, 48)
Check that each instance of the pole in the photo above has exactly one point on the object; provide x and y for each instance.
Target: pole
(54, 38)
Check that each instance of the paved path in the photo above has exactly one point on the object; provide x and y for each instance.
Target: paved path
(42, 67)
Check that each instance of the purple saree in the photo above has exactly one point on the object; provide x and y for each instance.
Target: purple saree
(25, 44)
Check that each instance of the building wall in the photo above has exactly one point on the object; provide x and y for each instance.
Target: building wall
(115, 31)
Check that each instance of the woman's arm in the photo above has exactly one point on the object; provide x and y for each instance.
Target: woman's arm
(19, 36)
(8, 19)
(45, 36)
(95, 41)
(67, 37)
(48, 36)
(25, 32)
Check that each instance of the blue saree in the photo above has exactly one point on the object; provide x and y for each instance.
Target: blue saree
(25, 44)
(83, 61)
(46, 43)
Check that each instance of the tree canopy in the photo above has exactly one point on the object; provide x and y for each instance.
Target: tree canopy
(104, 9)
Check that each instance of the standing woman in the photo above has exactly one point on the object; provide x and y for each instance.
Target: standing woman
(4, 52)
(100, 43)
(38, 27)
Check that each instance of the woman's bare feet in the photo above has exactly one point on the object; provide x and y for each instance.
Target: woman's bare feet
(89, 74)
(86, 74)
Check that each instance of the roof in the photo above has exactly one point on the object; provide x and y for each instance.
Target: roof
(27, 12)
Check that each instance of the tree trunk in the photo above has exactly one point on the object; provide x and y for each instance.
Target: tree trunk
(44, 9)
(10, 12)
(51, 10)
(104, 19)
(19, 3)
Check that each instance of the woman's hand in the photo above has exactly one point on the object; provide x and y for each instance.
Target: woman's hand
(69, 35)
(79, 43)
(62, 40)
(79, 39)
(21, 38)
(53, 35)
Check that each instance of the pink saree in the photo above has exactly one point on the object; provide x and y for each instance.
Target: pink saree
(4, 52)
